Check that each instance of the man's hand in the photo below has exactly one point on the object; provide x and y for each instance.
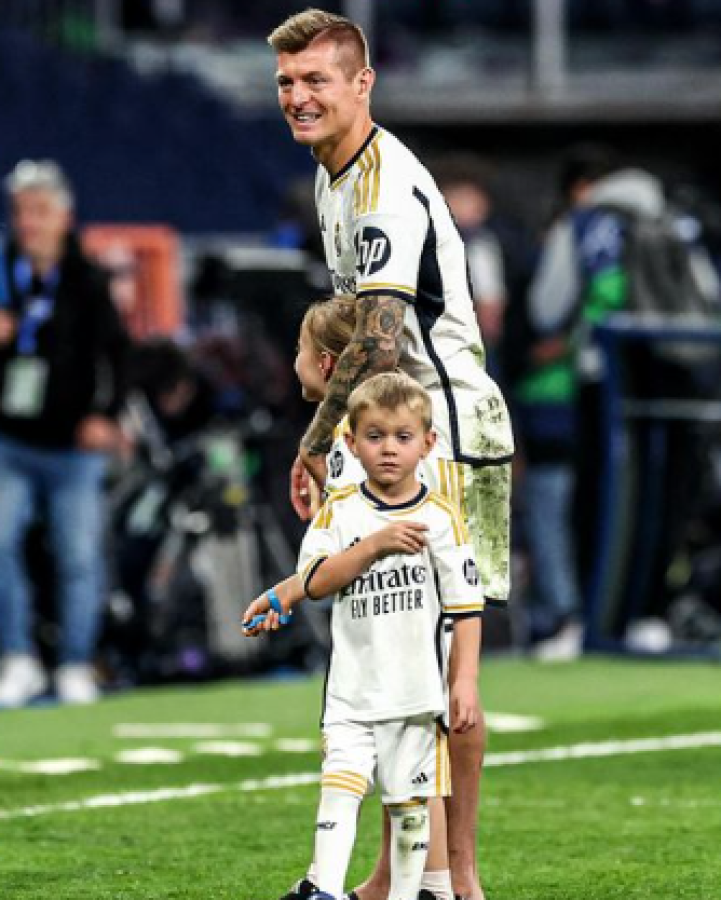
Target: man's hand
(97, 433)
(300, 496)
(465, 712)
(400, 537)
(314, 464)
(7, 327)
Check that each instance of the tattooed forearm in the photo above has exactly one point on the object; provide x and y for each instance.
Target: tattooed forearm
(375, 348)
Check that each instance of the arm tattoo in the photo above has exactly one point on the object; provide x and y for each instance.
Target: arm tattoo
(375, 347)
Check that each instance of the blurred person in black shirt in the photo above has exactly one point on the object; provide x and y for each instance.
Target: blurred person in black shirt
(62, 352)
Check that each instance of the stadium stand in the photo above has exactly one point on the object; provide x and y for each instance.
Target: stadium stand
(143, 148)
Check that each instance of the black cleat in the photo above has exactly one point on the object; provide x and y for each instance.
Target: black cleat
(301, 890)
(427, 895)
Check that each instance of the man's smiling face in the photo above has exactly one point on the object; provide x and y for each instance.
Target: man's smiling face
(319, 96)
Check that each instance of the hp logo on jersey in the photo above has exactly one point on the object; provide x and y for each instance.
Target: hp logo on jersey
(372, 250)
(335, 464)
(470, 572)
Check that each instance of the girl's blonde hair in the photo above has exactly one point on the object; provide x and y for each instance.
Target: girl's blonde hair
(330, 323)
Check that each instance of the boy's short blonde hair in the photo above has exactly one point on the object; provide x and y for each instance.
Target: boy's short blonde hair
(298, 32)
(330, 324)
(389, 391)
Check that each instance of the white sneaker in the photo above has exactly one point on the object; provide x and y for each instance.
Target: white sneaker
(565, 646)
(75, 683)
(649, 636)
(21, 680)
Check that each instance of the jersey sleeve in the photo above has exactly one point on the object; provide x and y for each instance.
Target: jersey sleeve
(343, 468)
(321, 541)
(458, 579)
(388, 249)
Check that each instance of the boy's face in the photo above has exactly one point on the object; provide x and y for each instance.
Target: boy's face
(390, 444)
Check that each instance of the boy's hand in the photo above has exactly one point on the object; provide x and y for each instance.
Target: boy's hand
(259, 607)
(400, 537)
(465, 712)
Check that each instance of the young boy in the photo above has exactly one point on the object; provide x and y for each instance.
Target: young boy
(399, 560)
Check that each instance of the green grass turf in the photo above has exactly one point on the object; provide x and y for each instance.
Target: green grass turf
(634, 826)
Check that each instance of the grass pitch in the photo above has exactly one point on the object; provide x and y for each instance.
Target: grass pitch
(625, 825)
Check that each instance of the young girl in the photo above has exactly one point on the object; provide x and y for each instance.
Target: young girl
(326, 329)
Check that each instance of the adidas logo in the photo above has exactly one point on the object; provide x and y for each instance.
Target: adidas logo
(420, 779)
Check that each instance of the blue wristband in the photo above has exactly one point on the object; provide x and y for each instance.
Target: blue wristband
(275, 605)
(274, 601)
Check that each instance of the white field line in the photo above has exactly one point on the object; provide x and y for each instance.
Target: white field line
(605, 748)
(573, 751)
(145, 756)
(498, 722)
(228, 748)
(131, 798)
(50, 766)
(199, 730)
(673, 803)
(296, 745)
(509, 723)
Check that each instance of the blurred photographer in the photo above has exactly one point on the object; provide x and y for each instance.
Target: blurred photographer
(62, 352)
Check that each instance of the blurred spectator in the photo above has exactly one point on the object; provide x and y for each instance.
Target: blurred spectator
(182, 401)
(592, 266)
(545, 400)
(62, 351)
(120, 263)
(465, 184)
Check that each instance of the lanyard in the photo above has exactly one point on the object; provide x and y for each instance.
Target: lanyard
(37, 310)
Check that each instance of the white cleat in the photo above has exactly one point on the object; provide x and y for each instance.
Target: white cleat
(565, 646)
(75, 683)
(22, 679)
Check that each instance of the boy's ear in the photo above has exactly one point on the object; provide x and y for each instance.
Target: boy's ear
(350, 442)
(429, 442)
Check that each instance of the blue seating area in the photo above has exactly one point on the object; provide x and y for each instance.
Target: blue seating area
(143, 149)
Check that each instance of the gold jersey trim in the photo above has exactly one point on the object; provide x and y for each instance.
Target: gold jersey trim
(366, 189)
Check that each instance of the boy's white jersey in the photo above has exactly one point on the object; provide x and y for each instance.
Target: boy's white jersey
(387, 657)
(387, 230)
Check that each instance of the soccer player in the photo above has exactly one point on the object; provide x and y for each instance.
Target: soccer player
(390, 240)
(400, 559)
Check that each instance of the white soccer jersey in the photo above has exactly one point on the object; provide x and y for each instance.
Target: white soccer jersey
(342, 467)
(387, 229)
(387, 657)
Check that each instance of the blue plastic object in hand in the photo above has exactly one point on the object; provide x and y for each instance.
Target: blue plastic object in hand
(274, 605)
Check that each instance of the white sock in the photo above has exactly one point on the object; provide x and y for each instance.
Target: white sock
(410, 833)
(438, 883)
(334, 837)
(312, 873)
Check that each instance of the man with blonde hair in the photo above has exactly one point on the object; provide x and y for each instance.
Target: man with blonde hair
(390, 240)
